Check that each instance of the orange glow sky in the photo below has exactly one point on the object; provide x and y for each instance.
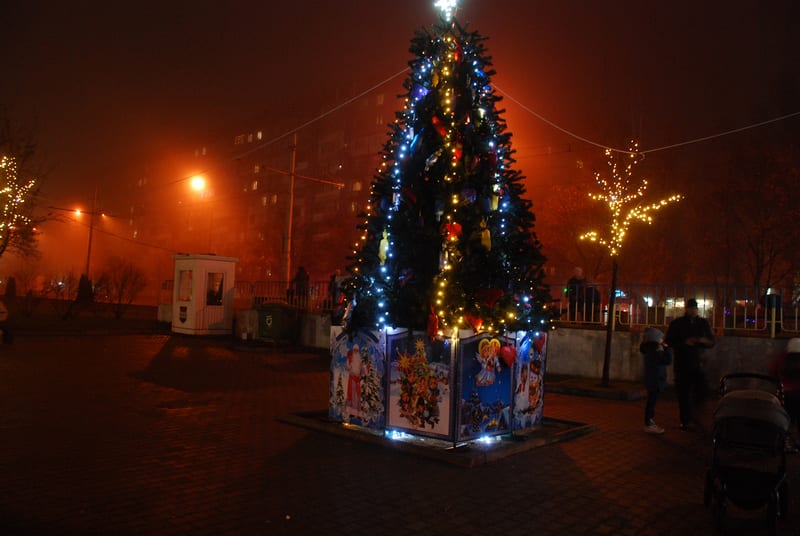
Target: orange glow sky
(114, 90)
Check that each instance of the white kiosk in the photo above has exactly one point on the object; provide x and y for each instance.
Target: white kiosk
(202, 294)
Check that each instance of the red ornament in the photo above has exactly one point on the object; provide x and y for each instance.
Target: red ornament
(433, 324)
(438, 125)
(457, 153)
(508, 354)
(489, 296)
(409, 194)
(474, 321)
(538, 341)
(452, 230)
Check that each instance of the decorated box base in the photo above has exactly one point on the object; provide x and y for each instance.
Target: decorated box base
(456, 388)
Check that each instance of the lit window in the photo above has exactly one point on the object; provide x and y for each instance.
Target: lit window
(256, 168)
(353, 207)
(238, 140)
(357, 186)
(379, 99)
(274, 199)
(250, 138)
(254, 186)
(258, 135)
(264, 201)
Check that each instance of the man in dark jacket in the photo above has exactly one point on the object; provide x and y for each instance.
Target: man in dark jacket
(688, 336)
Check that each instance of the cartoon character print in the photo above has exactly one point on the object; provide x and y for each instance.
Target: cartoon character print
(488, 357)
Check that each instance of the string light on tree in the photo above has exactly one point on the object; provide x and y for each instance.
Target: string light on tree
(447, 240)
(618, 197)
(624, 207)
(14, 220)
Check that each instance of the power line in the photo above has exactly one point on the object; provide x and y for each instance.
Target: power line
(321, 116)
(298, 128)
(656, 149)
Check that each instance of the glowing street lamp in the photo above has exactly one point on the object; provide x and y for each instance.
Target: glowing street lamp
(198, 183)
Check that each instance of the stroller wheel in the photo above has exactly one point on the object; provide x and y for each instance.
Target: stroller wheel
(772, 516)
(719, 514)
(783, 500)
(708, 489)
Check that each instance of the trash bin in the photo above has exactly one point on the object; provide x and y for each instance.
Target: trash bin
(278, 322)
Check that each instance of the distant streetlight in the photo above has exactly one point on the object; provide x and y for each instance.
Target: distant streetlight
(78, 214)
(198, 183)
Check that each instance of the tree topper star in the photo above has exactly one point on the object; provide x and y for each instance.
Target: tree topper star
(447, 7)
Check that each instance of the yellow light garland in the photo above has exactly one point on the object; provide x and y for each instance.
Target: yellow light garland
(617, 197)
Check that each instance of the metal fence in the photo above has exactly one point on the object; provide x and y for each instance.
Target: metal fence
(733, 308)
(315, 298)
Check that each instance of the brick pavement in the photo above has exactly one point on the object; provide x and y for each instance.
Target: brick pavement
(180, 435)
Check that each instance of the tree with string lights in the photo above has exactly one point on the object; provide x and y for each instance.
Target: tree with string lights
(447, 238)
(17, 225)
(624, 208)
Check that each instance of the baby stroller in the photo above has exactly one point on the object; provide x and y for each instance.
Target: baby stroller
(748, 460)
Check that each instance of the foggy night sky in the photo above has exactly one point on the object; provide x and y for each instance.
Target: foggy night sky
(114, 88)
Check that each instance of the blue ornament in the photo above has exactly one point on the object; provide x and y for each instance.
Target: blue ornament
(419, 91)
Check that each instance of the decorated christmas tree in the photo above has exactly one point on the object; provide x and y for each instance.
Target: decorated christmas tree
(448, 239)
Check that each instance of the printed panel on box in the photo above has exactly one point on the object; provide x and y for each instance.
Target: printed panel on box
(529, 379)
(358, 372)
(485, 385)
(420, 380)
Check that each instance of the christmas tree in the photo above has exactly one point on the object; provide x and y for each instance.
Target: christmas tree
(448, 237)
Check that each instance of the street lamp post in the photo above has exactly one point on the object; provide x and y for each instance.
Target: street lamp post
(290, 214)
(91, 232)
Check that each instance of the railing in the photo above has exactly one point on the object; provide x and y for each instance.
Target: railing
(735, 308)
(738, 308)
(315, 298)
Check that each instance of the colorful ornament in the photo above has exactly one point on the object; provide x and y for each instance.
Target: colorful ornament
(508, 354)
(433, 324)
(438, 126)
(383, 248)
(419, 91)
(468, 196)
(486, 236)
(539, 341)
(432, 159)
(473, 321)
(452, 230)
(489, 296)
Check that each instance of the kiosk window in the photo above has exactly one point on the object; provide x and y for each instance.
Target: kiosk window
(185, 285)
(214, 292)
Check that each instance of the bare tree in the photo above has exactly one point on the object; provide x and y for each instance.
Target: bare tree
(759, 201)
(119, 284)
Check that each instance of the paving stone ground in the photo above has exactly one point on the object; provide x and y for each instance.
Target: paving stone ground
(158, 434)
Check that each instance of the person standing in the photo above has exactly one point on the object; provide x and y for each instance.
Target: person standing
(688, 336)
(575, 294)
(656, 359)
(300, 287)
